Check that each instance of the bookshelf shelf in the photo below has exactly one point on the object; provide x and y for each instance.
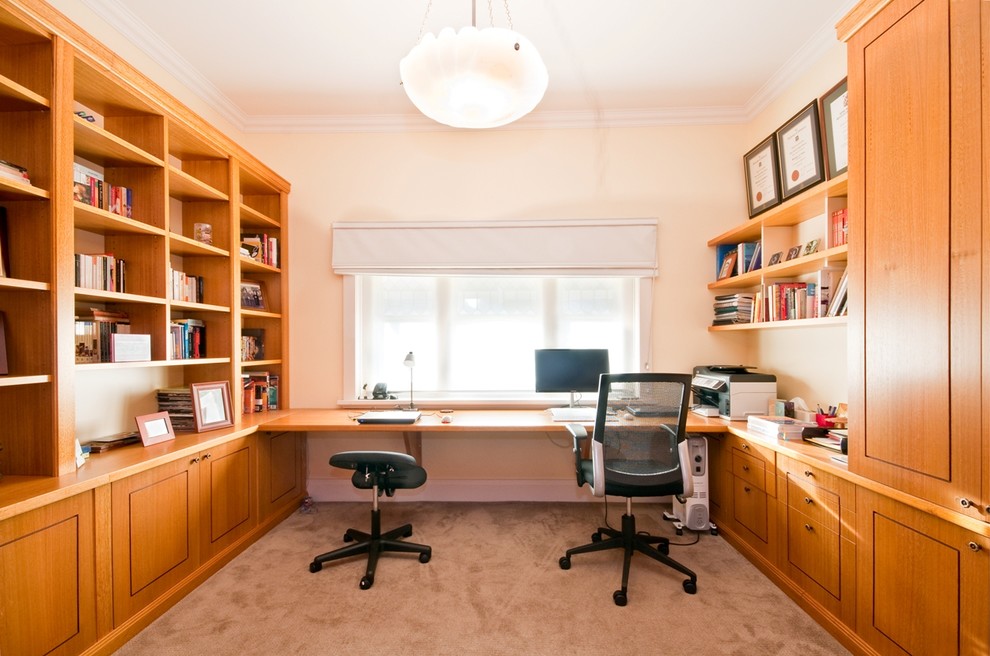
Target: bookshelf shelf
(787, 323)
(252, 218)
(186, 187)
(250, 364)
(10, 190)
(17, 283)
(15, 97)
(17, 381)
(198, 307)
(100, 296)
(248, 264)
(107, 149)
(260, 314)
(807, 264)
(97, 366)
(181, 245)
(94, 219)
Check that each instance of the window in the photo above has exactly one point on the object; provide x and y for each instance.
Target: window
(474, 336)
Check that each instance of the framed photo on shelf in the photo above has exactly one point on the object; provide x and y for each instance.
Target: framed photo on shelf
(728, 265)
(794, 252)
(811, 246)
(835, 129)
(775, 258)
(211, 405)
(253, 295)
(762, 180)
(155, 428)
(800, 144)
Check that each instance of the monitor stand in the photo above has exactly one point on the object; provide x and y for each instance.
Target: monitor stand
(574, 401)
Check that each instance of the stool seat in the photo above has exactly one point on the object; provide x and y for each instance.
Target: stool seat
(383, 472)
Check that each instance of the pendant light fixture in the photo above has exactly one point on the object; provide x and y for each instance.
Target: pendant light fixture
(474, 78)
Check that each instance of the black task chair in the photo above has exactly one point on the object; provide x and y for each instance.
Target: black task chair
(637, 451)
(382, 472)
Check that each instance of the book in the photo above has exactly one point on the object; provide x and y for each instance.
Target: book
(745, 252)
(117, 440)
(780, 428)
(252, 344)
(837, 303)
(756, 261)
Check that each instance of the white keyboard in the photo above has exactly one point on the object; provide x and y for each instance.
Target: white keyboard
(573, 414)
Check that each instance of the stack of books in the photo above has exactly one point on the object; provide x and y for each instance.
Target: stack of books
(101, 444)
(776, 428)
(14, 172)
(733, 308)
(177, 402)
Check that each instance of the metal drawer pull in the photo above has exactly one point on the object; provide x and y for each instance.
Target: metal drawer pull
(965, 503)
(975, 547)
(194, 461)
(808, 500)
(745, 447)
(746, 490)
(809, 527)
(745, 467)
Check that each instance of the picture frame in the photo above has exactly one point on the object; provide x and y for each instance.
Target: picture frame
(762, 180)
(155, 428)
(811, 246)
(835, 129)
(775, 258)
(799, 143)
(211, 405)
(253, 295)
(728, 265)
(793, 253)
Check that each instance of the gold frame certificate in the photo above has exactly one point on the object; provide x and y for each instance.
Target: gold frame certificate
(800, 152)
(762, 186)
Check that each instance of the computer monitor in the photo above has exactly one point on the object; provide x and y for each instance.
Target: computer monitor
(570, 370)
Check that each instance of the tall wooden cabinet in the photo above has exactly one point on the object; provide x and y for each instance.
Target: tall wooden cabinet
(920, 251)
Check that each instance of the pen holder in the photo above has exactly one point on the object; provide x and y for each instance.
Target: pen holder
(825, 421)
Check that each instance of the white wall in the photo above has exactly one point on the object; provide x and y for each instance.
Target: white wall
(690, 178)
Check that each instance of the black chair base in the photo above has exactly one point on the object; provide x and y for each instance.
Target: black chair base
(373, 544)
(630, 542)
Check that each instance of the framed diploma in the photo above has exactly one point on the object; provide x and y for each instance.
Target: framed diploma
(762, 181)
(800, 144)
(835, 129)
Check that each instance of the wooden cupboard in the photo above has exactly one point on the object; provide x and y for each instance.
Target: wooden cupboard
(746, 487)
(919, 219)
(282, 470)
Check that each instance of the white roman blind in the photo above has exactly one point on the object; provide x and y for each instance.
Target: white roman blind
(578, 247)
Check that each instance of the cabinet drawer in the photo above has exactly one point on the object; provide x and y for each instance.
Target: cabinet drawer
(816, 503)
(752, 470)
(750, 507)
(814, 549)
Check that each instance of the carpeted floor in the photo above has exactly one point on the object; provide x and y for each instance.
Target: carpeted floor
(493, 586)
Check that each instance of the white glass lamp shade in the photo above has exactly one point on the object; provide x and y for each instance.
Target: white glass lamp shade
(410, 360)
(474, 78)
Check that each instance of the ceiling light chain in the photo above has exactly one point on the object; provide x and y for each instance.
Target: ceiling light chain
(507, 14)
(422, 26)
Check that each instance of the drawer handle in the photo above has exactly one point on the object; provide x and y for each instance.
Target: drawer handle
(808, 472)
(745, 467)
(809, 528)
(745, 447)
(207, 456)
(808, 500)
(965, 503)
(194, 461)
(746, 490)
(975, 547)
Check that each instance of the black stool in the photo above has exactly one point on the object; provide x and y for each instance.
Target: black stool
(379, 471)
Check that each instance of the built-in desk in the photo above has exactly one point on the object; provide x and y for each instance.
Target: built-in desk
(470, 421)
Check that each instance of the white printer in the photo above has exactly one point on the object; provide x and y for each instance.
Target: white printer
(735, 390)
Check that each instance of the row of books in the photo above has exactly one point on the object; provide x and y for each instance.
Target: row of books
(260, 247)
(187, 287)
(177, 402)
(252, 344)
(733, 308)
(838, 227)
(737, 259)
(188, 339)
(14, 172)
(784, 301)
(100, 271)
(260, 390)
(89, 188)
(93, 334)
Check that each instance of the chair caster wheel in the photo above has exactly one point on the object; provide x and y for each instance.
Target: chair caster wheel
(564, 562)
(315, 566)
(596, 537)
(690, 586)
(619, 597)
(425, 557)
(664, 549)
(366, 582)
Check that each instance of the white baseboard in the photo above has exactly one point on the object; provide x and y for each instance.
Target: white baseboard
(324, 489)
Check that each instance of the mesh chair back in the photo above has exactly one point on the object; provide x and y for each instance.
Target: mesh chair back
(641, 419)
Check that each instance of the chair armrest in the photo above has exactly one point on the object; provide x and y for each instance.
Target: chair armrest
(578, 432)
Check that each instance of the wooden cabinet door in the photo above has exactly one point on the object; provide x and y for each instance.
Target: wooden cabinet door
(917, 250)
(47, 575)
(281, 477)
(923, 582)
(155, 534)
(227, 485)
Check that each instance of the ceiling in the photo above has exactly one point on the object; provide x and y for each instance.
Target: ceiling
(333, 65)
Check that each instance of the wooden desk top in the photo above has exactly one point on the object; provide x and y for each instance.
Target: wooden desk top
(336, 420)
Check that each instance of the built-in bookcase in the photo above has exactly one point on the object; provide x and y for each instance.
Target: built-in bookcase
(70, 108)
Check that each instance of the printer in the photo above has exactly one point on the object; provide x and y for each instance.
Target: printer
(735, 390)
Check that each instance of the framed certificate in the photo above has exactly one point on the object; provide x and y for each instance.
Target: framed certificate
(835, 129)
(800, 144)
(762, 185)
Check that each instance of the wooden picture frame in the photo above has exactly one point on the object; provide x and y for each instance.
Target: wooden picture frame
(775, 258)
(835, 129)
(155, 428)
(253, 295)
(799, 143)
(762, 180)
(728, 265)
(211, 405)
(793, 253)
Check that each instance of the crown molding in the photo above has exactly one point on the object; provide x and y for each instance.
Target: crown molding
(119, 17)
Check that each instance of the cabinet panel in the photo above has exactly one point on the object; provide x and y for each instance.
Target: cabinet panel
(281, 474)
(923, 587)
(228, 484)
(750, 508)
(47, 574)
(814, 549)
(155, 534)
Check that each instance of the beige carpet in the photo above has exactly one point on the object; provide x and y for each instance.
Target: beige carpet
(493, 586)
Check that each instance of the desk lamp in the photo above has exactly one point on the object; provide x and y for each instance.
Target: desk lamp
(410, 362)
